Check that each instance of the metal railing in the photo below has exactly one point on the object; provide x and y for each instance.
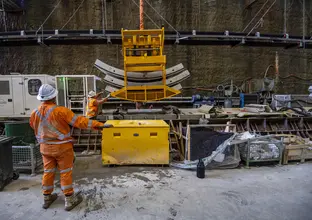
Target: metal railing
(72, 37)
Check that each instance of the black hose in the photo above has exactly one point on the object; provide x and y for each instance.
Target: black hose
(302, 111)
(293, 100)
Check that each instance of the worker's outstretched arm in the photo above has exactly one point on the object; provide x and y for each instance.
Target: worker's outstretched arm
(98, 94)
(79, 121)
(101, 101)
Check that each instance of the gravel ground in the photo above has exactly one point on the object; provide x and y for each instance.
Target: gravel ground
(163, 193)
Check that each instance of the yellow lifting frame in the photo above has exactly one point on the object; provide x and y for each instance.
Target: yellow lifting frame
(143, 52)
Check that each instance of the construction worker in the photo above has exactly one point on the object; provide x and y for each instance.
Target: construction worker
(94, 101)
(139, 105)
(51, 124)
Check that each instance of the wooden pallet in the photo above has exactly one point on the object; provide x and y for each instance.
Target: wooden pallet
(296, 148)
(299, 152)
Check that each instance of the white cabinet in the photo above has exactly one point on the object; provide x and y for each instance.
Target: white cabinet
(6, 97)
(18, 93)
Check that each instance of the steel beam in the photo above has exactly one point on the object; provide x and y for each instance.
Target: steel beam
(77, 37)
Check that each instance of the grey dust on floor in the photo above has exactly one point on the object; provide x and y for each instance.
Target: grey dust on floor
(280, 193)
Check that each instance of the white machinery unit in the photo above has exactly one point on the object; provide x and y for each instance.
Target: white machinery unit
(73, 91)
(280, 101)
(18, 93)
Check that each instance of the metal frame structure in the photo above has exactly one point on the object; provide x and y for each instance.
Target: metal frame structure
(143, 52)
(262, 140)
(77, 37)
(10, 6)
(88, 141)
(68, 99)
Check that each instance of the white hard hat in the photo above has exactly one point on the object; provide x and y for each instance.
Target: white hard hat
(46, 92)
(91, 94)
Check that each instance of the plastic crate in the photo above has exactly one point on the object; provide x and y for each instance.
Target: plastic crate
(7, 172)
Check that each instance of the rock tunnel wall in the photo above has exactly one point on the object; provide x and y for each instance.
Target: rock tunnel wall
(208, 65)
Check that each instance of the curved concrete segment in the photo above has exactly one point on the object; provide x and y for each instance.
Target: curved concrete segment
(114, 89)
(136, 76)
(118, 83)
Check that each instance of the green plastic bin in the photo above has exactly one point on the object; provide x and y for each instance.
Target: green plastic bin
(21, 131)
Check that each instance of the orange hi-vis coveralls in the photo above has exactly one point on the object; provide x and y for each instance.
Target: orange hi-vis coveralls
(92, 108)
(51, 125)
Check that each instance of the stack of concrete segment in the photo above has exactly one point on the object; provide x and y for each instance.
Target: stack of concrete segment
(114, 77)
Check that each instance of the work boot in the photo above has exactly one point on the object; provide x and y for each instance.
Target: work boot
(48, 200)
(73, 200)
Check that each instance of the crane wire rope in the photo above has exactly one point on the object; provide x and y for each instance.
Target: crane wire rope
(4, 17)
(105, 11)
(255, 16)
(73, 14)
(257, 24)
(41, 26)
(103, 18)
(147, 15)
(162, 17)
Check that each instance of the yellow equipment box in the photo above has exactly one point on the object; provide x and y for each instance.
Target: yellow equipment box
(135, 142)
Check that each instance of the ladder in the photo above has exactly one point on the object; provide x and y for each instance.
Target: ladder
(77, 104)
(73, 91)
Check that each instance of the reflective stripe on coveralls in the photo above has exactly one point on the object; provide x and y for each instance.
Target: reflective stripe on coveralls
(91, 114)
(44, 122)
(47, 187)
(92, 109)
(64, 161)
(66, 187)
(50, 170)
(90, 123)
(66, 170)
(70, 186)
(73, 120)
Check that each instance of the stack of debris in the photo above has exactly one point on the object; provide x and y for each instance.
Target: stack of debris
(226, 149)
